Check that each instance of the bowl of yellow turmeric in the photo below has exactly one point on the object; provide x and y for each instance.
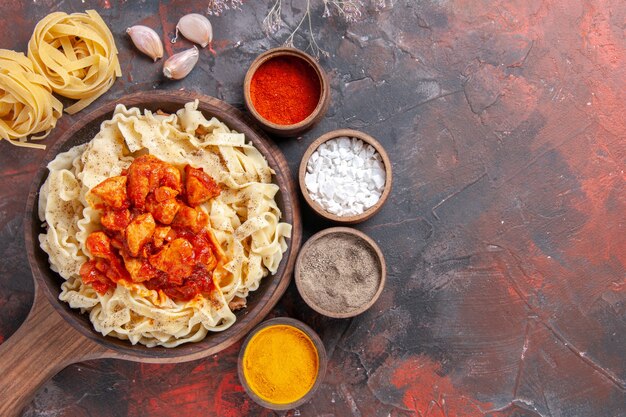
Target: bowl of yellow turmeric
(282, 363)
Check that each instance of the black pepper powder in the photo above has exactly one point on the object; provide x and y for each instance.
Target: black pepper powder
(340, 272)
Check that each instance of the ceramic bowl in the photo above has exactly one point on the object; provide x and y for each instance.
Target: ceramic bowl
(366, 240)
(321, 354)
(317, 114)
(316, 207)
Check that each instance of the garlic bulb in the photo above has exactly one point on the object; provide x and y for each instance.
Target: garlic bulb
(196, 28)
(179, 65)
(146, 40)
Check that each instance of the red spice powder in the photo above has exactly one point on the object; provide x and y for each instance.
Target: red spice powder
(285, 90)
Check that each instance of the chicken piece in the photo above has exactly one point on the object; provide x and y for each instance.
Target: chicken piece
(138, 183)
(115, 220)
(112, 192)
(203, 250)
(169, 176)
(185, 217)
(176, 259)
(139, 232)
(91, 274)
(116, 270)
(193, 219)
(161, 235)
(163, 211)
(139, 270)
(202, 221)
(164, 193)
(199, 186)
(146, 174)
(237, 303)
(117, 240)
(99, 244)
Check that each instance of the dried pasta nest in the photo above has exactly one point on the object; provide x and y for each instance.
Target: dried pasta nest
(27, 105)
(76, 53)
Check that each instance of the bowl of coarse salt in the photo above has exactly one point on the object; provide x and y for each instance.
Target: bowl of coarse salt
(345, 176)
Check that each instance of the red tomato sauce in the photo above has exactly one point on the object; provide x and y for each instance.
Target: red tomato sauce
(153, 231)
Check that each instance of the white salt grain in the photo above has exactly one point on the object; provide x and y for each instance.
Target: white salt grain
(345, 176)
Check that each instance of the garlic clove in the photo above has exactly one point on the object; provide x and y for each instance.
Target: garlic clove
(179, 65)
(196, 28)
(146, 40)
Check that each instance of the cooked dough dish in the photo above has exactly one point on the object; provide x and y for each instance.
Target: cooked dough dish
(161, 225)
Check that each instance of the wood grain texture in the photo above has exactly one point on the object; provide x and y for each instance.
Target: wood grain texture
(41, 347)
(504, 233)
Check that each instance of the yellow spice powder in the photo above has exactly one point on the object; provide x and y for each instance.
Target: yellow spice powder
(280, 364)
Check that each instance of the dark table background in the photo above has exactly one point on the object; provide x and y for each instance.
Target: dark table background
(505, 234)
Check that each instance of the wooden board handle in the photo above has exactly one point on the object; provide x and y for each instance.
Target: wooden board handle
(40, 348)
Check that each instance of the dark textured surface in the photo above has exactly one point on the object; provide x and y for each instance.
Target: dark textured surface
(505, 233)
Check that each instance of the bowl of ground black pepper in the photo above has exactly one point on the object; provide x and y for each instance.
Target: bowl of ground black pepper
(286, 91)
(340, 272)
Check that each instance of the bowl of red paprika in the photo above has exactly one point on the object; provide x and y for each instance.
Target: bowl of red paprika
(286, 91)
